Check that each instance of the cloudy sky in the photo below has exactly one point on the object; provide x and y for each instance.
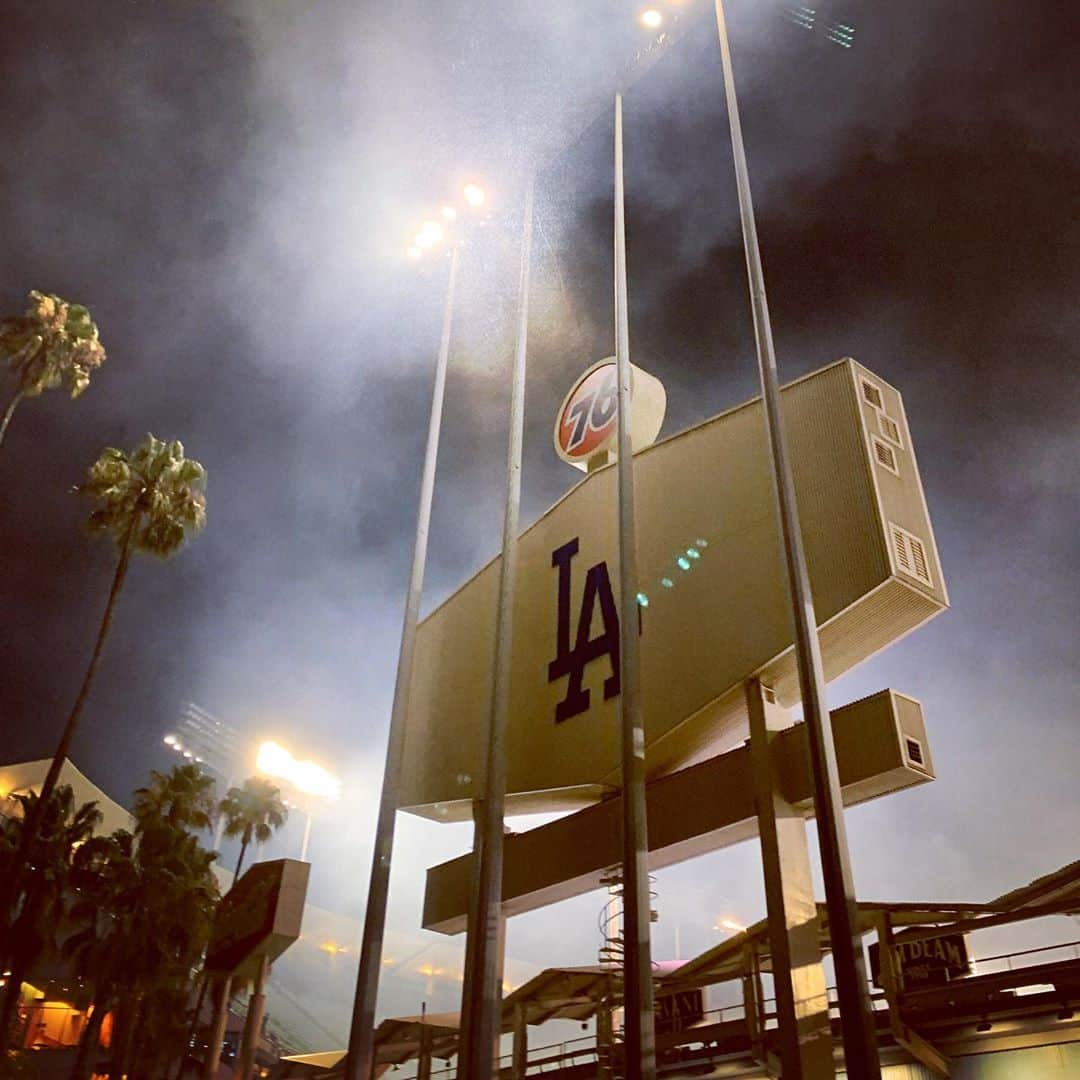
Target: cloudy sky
(230, 187)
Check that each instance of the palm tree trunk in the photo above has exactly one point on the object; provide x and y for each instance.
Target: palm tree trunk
(11, 1000)
(243, 847)
(7, 415)
(32, 823)
(193, 1028)
(88, 1043)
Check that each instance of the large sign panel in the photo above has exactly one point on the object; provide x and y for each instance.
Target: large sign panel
(713, 606)
(259, 915)
(932, 962)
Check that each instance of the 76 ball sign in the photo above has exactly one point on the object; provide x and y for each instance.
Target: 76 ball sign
(586, 425)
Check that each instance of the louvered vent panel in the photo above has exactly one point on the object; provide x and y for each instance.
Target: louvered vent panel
(911, 554)
(886, 455)
(918, 557)
(901, 546)
(889, 428)
(872, 394)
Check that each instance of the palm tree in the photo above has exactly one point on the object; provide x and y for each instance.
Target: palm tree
(54, 343)
(148, 501)
(30, 930)
(252, 811)
(182, 797)
(144, 915)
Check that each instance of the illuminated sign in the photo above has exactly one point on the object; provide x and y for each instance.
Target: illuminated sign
(587, 423)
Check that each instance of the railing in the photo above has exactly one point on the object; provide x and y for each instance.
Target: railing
(1070, 951)
(552, 1057)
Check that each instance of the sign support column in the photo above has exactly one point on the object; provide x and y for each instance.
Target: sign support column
(802, 1002)
(639, 1044)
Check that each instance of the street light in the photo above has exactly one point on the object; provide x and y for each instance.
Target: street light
(359, 1062)
(856, 1016)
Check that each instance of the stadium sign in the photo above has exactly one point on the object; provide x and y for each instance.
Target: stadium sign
(587, 422)
(713, 607)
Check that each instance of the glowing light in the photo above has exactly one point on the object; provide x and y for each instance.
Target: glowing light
(306, 776)
(693, 553)
(651, 19)
(170, 740)
(332, 948)
(701, 543)
(414, 252)
(684, 562)
(448, 213)
(431, 233)
(667, 582)
(474, 195)
(642, 599)
(728, 923)
(189, 755)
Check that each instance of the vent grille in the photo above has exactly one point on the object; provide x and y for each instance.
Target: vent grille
(913, 749)
(872, 394)
(911, 554)
(890, 429)
(885, 455)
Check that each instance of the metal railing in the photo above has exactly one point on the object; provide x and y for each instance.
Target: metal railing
(552, 1057)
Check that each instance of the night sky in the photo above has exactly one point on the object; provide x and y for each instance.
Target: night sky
(230, 187)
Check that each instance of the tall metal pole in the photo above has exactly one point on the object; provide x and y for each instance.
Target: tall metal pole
(360, 1060)
(856, 1017)
(639, 1044)
(486, 988)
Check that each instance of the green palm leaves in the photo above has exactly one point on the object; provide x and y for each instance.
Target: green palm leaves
(151, 499)
(53, 344)
(253, 811)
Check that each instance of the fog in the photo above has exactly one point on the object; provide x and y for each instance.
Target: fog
(231, 188)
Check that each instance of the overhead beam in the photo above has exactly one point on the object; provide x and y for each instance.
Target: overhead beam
(707, 806)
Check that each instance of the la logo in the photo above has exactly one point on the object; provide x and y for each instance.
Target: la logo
(573, 661)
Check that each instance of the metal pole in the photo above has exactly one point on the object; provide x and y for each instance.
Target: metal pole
(486, 988)
(249, 1044)
(856, 1017)
(361, 1056)
(307, 836)
(640, 1040)
(217, 1029)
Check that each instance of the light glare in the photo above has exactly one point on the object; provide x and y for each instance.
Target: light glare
(448, 212)
(651, 19)
(474, 194)
(306, 776)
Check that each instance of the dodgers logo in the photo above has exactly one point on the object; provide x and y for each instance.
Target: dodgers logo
(573, 661)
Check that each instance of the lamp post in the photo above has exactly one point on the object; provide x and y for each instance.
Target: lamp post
(856, 1017)
(360, 1059)
(484, 986)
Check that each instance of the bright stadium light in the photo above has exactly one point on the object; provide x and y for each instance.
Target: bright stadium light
(448, 213)
(307, 777)
(474, 195)
(170, 740)
(651, 19)
(728, 923)
(431, 233)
